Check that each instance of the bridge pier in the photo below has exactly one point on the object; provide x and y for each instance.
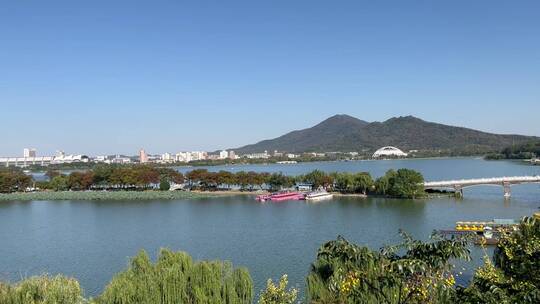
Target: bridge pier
(458, 191)
(507, 190)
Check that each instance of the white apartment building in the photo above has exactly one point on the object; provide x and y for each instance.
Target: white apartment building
(186, 157)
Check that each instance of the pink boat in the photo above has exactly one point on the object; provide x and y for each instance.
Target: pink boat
(289, 196)
(279, 197)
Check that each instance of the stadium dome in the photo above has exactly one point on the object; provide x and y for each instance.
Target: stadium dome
(389, 151)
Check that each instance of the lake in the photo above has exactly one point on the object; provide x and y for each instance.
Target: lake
(93, 240)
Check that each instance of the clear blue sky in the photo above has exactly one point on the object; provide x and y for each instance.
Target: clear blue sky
(102, 77)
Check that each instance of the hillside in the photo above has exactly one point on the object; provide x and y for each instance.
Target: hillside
(345, 133)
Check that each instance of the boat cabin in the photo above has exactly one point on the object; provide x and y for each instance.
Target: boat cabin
(304, 186)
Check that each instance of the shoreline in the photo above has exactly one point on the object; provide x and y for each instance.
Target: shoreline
(155, 195)
(107, 195)
(196, 166)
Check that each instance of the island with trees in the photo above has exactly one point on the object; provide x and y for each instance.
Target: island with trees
(149, 182)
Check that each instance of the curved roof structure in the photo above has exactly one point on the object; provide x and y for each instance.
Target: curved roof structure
(389, 151)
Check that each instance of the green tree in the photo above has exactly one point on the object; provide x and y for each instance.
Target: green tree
(256, 179)
(164, 185)
(59, 183)
(80, 180)
(318, 178)
(362, 182)
(197, 177)
(102, 173)
(277, 181)
(411, 272)
(383, 183)
(344, 182)
(171, 175)
(175, 278)
(42, 290)
(407, 184)
(403, 183)
(278, 294)
(514, 276)
(14, 180)
(242, 179)
(226, 178)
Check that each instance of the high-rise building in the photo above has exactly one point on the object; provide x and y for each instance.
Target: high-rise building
(223, 154)
(232, 155)
(27, 152)
(143, 157)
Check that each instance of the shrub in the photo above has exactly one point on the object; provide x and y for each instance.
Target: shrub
(42, 290)
(278, 294)
(347, 273)
(175, 278)
(514, 276)
(164, 185)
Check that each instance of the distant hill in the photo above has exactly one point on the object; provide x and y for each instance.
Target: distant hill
(346, 133)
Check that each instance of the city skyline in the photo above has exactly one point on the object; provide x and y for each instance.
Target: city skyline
(327, 123)
(109, 78)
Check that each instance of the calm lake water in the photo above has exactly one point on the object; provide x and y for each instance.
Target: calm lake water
(94, 240)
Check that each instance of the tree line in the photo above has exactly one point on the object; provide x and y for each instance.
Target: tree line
(527, 150)
(404, 183)
(412, 271)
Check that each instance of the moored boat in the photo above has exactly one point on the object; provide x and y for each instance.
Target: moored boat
(263, 197)
(318, 195)
(484, 233)
(287, 196)
(281, 196)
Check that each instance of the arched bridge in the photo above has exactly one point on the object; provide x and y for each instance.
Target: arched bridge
(505, 182)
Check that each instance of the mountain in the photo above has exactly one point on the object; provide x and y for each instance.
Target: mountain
(346, 133)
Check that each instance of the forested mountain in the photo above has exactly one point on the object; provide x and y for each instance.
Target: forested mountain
(346, 133)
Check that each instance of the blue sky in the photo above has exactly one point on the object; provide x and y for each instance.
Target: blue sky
(101, 77)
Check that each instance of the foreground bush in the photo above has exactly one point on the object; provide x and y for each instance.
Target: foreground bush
(175, 278)
(42, 290)
(278, 294)
(422, 273)
(514, 276)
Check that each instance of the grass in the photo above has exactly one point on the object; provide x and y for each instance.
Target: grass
(103, 195)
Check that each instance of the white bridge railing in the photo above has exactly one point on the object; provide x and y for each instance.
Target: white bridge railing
(484, 181)
(505, 182)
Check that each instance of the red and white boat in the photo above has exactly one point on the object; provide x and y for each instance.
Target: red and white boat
(279, 197)
(288, 196)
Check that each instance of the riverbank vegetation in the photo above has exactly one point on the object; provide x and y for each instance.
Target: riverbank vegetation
(526, 150)
(402, 183)
(105, 195)
(410, 272)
